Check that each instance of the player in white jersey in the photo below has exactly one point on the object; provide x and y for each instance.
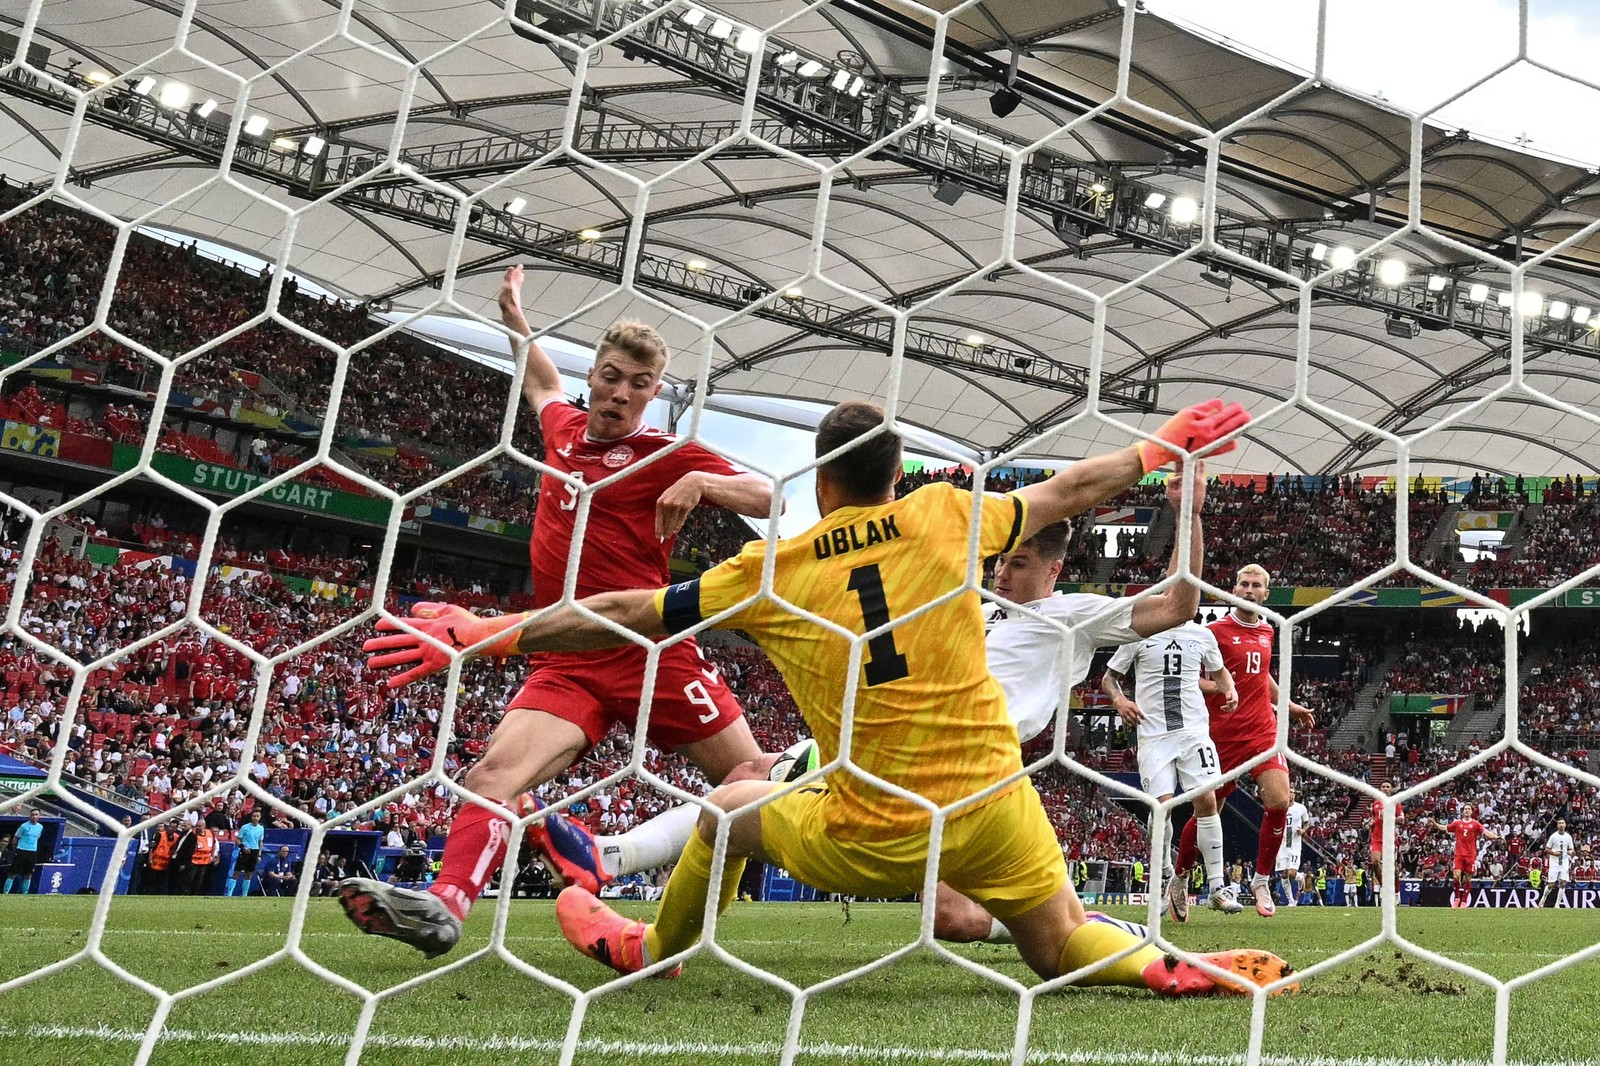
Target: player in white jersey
(1175, 749)
(1559, 850)
(1288, 864)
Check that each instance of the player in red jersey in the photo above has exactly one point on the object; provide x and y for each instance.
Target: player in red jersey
(1466, 829)
(1375, 849)
(1240, 734)
(570, 700)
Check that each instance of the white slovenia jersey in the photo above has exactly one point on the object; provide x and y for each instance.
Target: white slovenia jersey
(1025, 651)
(1166, 677)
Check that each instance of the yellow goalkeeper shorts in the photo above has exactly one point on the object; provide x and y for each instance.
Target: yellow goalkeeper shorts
(1004, 854)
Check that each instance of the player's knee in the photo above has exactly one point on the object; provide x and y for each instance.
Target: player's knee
(727, 799)
(752, 769)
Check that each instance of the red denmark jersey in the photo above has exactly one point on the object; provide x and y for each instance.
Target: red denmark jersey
(1247, 654)
(1377, 822)
(620, 548)
(1466, 832)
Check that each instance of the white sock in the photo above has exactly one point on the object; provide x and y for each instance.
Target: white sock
(998, 933)
(650, 844)
(1208, 835)
(1166, 852)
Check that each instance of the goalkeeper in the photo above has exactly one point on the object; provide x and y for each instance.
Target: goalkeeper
(927, 716)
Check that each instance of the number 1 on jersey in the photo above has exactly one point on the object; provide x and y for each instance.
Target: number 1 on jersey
(884, 661)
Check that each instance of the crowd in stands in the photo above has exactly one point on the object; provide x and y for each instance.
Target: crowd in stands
(1560, 700)
(1465, 661)
(1329, 537)
(1562, 540)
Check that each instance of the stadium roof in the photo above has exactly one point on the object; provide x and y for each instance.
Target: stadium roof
(1306, 174)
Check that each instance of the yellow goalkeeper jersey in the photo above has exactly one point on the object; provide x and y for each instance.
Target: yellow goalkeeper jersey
(928, 716)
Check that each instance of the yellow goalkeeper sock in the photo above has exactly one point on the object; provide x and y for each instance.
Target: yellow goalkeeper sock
(682, 914)
(1092, 941)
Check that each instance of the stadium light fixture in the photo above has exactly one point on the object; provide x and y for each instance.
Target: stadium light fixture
(841, 78)
(1392, 272)
(517, 206)
(721, 29)
(1503, 299)
(749, 41)
(793, 293)
(1220, 278)
(1185, 209)
(920, 113)
(255, 126)
(1531, 303)
(1478, 293)
(144, 86)
(1558, 310)
(1098, 188)
(174, 94)
(810, 69)
(977, 340)
(1580, 315)
(284, 144)
(1155, 200)
(1319, 252)
(857, 85)
(588, 235)
(313, 146)
(205, 109)
(1004, 101)
(788, 60)
(97, 77)
(696, 265)
(692, 17)
(947, 191)
(1400, 326)
(1437, 282)
(1342, 257)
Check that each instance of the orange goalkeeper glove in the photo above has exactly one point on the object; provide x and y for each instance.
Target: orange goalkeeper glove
(454, 627)
(1192, 429)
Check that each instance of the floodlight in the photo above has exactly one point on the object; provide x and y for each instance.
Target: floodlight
(205, 109)
(841, 78)
(693, 16)
(1398, 326)
(588, 235)
(1342, 257)
(856, 86)
(749, 40)
(283, 144)
(721, 28)
(1503, 299)
(1392, 272)
(1184, 210)
(1437, 282)
(977, 340)
(146, 83)
(696, 265)
(1319, 252)
(517, 206)
(809, 69)
(1532, 303)
(1220, 278)
(788, 60)
(1478, 293)
(1558, 310)
(313, 146)
(174, 94)
(255, 126)
(1155, 200)
(1580, 315)
(947, 191)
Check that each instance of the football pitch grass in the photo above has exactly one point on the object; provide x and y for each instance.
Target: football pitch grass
(1383, 1009)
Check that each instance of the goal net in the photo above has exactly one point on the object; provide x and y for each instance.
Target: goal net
(804, 200)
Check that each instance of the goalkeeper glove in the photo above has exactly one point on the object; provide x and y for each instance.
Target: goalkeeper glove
(1191, 429)
(454, 627)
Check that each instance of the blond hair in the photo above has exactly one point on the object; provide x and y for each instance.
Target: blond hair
(635, 340)
(1256, 568)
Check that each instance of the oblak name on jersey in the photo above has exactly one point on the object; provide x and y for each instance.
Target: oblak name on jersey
(843, 539)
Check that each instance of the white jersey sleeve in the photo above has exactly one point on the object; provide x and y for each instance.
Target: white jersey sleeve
(1166, 680)
(1035, 662)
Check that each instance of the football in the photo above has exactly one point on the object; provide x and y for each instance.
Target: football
(797, 760)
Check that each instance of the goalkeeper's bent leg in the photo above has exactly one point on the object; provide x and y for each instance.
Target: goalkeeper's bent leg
(681, 916)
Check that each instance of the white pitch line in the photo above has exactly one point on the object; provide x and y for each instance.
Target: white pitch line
(664, 1048)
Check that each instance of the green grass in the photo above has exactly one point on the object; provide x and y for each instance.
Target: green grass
(1383, 1005)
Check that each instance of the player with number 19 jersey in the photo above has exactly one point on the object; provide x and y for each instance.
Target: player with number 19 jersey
(1251, 729)
(620, 551)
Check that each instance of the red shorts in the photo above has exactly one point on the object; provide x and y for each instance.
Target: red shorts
(1235, 754)
(594, 689)
(1465, 864)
